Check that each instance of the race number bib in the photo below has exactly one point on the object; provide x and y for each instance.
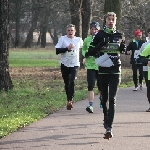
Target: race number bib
(145, 68)
(72, 53)
(136, 53)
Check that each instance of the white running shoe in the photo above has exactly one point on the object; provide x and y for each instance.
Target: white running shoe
(136, 88)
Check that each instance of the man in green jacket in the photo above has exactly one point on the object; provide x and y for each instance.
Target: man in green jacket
(145, 55)
(92, 68)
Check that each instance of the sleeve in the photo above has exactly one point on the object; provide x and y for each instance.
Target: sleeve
(60, 43)
(143, 46)
(59, 47)
(122, 47)
(81, 43)
(97, 43)
(84, 48)
(128, 48)
(146, 51)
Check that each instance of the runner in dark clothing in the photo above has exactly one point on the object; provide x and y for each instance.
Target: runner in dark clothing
(133, 49)
(107, 46)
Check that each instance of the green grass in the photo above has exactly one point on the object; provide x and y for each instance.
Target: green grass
(35, 96)
(33, 58)
(31, 100)
(33, 63)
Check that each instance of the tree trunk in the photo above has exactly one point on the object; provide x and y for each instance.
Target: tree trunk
(86, 16)
(54, 37)
(5, 80)
(43, 36)
(29, 39)
(75, 12)
(17, 36)
(115, 6)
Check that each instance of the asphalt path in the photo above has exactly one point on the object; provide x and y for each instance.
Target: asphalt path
(76, 129)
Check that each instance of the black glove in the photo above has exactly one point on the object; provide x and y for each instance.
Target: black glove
(87, 55)
(138, 60)
(122, 47)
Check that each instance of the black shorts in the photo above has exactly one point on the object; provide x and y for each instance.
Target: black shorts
(92, 77)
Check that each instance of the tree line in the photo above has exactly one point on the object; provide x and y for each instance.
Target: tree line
(22, 18)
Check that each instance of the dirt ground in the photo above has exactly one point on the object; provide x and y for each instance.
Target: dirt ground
(40, 72)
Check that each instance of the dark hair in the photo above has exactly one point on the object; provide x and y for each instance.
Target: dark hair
(95, 25)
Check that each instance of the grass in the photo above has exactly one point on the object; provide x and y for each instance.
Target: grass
(33, 58)
(37, 91)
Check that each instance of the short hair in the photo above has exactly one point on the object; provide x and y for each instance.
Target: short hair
(70, 25)
(110, 14)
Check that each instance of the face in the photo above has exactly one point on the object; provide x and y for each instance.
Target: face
(139, 36)
(149, 34)
(71, 32)
(111, 21)
(93, 30)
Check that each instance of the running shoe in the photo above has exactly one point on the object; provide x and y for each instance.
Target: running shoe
(89, 109)
(69, 105)
(136, 88)
(148, 110)
(108, 134)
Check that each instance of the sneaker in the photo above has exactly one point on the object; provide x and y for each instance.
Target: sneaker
(69, 105)
(141, 87)
(136, 88)
(148, 110)
(108, 134)
(89, 109)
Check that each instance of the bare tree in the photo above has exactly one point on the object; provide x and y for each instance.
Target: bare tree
(113, 6)
(5, 80)
(86, 16)
(75, 12)
(34, 11)
(81, 11)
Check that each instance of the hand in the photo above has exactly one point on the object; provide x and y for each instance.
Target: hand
(149, 63)
(128, 52)
(70, 47)
(84, 59)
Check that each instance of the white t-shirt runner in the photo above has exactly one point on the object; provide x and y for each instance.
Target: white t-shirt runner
(70, 59)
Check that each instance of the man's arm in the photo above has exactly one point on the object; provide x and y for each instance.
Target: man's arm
(128, 49)
(97, 43)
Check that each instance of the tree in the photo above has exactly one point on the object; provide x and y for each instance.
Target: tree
(113, 6)
(75, 12)
(5, 80)
(86, 16)
(80, 11)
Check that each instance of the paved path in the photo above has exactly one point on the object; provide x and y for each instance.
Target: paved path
(79, 130)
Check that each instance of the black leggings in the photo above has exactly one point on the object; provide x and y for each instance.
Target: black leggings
(69, 74)
(145, 73)
(135, 68)
(109, 87)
